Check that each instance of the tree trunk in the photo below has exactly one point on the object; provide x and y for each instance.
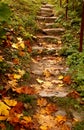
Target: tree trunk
(60, 3)
(66, 9)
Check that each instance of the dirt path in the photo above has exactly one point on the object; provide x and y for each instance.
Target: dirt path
(47, 71)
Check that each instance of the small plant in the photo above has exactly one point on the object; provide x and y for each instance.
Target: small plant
(79, 126)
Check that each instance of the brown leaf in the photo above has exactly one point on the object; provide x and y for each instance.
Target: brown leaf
(74, 94)
(27, 43)
(2, 126)
(21, 53)
(15, 61)
(67, 79)
(17, 109)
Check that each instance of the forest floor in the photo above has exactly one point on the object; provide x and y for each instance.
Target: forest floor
(46, 101)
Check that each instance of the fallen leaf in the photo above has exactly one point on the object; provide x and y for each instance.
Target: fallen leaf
(27, 119)
(50, 108)
(14, 45)
(65, 127)
(21, 72)
(59, 42)
(18, 108)
(13, 83)
(13, 120)
(67, 79)
(74, 94)
(41, 102)
(39, 81)
(1, 58)
(2, 126)
(46, 73)
(3, 118)
(10, 102)
(21, 53)
(43, 127)
(60, 77)
(17, 76)
(60, 119)
(4, 109)
(24, 90)
(15, 61)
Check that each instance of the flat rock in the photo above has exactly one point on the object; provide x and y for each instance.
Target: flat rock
(53, 30)
(46, 19)
(47, 6)
(45, 14)
(46, 9)
(51, 94)
(46, 37)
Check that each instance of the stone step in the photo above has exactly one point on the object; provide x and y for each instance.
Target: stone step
(36, 50)
(47, 6)
(45, 14)
(46, 9)
(54, 31)
(49, 37)
(46, 19)
(49, 25)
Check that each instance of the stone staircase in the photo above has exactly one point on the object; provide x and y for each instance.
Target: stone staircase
(48, 32)
(47, 46)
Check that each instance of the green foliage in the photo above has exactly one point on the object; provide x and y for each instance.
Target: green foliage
(5, 12)
(26, 98)
(79, 126)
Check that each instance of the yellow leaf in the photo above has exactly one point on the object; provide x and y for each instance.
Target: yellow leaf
(27, 119)
(42, 102)
(59, 42)
(1, 58)
(22, 45)
(43, 127)
(39, 81)
(14, 45)
(21, 72)
(10, 102)
(4, 109)
(60, 85)
(19, 39)
(2, 118)
(60, 119)
(16, 76)
(47, 73)
(13, 83)
(60, 77)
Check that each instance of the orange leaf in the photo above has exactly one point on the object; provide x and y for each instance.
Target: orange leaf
(27, 43)
(2, 126)
(41, 102)
(16, 61)
(60, 119)
(65, 127)
(51, 108)
(13, 120)
(25, 90)
(67, 79)
(21, 53)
